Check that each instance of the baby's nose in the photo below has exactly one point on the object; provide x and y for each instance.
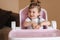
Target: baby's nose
(31, 14)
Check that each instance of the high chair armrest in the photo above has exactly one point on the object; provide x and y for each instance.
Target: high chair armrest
(54, 24)
(13, 25)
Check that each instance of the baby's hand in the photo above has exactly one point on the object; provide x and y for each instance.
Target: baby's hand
(35, 25)
(45, 23)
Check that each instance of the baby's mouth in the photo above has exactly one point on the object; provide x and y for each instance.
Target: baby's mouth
(31, 16)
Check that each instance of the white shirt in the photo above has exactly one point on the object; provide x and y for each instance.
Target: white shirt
(34, 20)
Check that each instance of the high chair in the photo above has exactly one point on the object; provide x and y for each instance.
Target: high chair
(23, 16)
(17, 33)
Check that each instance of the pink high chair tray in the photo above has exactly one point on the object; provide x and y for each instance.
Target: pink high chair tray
(34, 33)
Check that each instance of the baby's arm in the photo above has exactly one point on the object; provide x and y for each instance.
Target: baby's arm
(45, 23)
(27, 22)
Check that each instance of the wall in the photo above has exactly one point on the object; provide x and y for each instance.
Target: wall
(11, 5)
(52, 7)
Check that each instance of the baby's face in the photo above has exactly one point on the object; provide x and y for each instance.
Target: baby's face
(33, 13)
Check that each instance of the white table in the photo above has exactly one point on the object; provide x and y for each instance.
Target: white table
(34, 34)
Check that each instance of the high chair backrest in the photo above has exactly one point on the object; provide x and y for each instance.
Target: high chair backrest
(23, 15)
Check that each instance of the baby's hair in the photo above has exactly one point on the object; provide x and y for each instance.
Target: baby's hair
(37, 1)
(33, 5)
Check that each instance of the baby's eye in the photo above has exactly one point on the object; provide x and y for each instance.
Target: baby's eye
(33, 12)
(29, 11)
